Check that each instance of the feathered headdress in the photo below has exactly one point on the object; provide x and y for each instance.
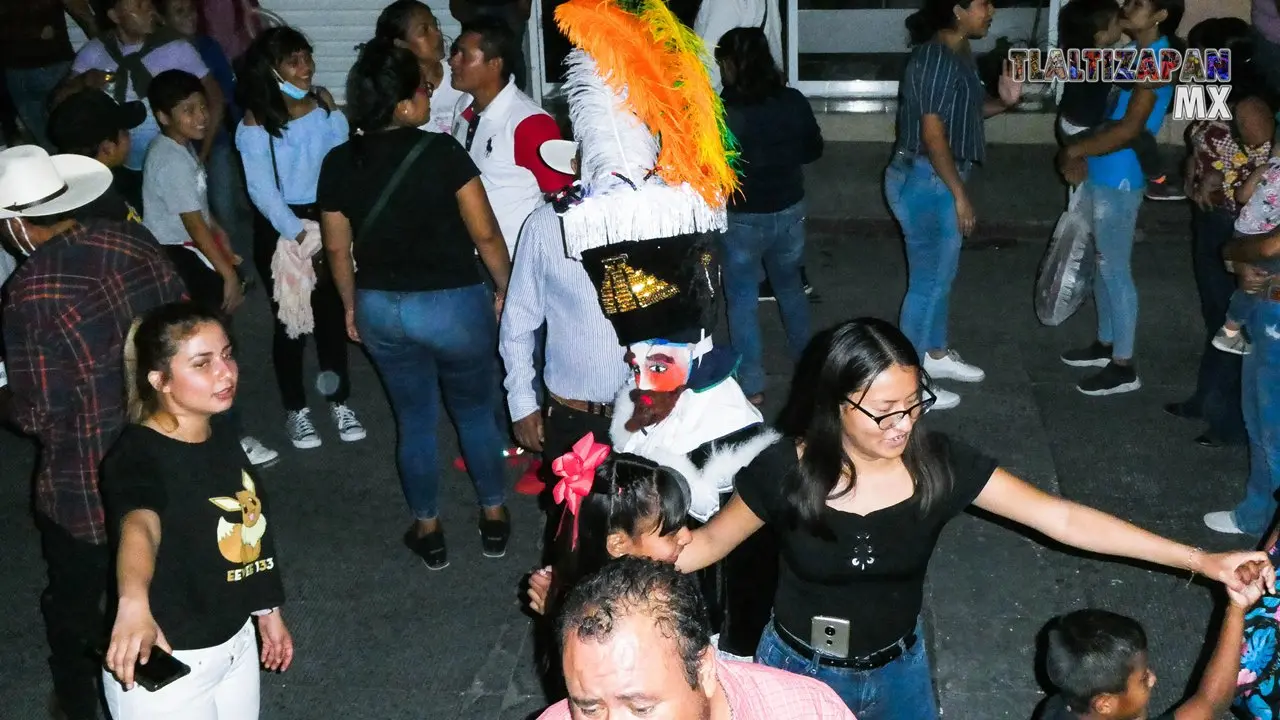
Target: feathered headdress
(657, 156)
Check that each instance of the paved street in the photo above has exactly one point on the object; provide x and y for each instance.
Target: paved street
(380, 637)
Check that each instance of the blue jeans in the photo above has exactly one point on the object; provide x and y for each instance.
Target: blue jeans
(228, 199)
(30, 89)
(1217, 395)
(925, 209)
(901, 690)
(1115, 218)
(777, 239)
(431, 344)
(1241, 307)
(1261, 400)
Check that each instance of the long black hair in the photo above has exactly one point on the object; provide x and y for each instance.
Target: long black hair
(628, 494)
(932, 17)
(843, 362)
(383, 76)
(752, 75)
(393, 23)
(257, 85)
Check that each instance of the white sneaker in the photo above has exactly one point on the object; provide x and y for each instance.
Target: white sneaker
(258, 453)
(349, 428)
(945, 399)
(302, 433)
(952, 367)
(1223, 521)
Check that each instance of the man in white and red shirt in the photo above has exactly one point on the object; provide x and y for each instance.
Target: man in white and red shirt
(635, 641)
(501, 127)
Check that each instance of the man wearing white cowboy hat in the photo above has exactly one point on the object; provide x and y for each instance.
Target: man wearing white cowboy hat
(67, 311)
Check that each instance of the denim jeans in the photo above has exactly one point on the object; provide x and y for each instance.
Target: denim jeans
(1261, 400)
(30, 89)
(901, 690)
(228, 199)
(777, 239)
(1241, 307)
(1217, 395)
(429, 345)
(1115, 218)
(925, 209)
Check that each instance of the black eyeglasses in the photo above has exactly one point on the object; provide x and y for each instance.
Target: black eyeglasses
(891, 420)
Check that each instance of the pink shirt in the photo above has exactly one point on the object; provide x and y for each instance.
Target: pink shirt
(757, 692)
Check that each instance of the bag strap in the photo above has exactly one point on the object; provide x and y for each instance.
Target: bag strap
(394, 183)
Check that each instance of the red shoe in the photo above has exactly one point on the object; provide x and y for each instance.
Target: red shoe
(514, 455)
(530, 482)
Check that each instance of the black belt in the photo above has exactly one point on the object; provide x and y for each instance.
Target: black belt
(874, 661)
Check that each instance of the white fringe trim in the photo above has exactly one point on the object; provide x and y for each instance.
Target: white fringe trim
(652, 212)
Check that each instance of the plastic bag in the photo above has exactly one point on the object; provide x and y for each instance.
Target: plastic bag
(1065, 277)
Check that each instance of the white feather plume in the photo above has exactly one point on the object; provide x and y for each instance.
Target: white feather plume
(623, 199)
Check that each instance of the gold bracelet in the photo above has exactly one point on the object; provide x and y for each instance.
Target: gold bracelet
(1191, 563)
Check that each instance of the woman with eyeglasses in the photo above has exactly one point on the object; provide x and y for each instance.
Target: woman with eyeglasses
(858, 499)
(409, 209)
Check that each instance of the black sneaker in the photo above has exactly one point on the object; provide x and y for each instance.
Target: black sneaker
(494, 534)
(1164, 188)
(430, 548)
(1112, 380)
(1096, 355)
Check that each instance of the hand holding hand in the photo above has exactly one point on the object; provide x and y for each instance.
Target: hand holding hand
(277, 643)
(1248, 597)
(1237, 570)
(539, 586)
(134, 634)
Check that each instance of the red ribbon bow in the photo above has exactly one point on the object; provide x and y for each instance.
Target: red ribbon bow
(577, 471)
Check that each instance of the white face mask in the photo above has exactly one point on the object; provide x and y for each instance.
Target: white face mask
(17, 230)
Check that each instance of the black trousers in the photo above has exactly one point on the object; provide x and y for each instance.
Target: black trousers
(330, 332)
(74, 618)
(1217, 395)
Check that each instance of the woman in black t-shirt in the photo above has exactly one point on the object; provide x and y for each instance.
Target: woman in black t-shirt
(195, 560)
(409, 208)
(858, 500)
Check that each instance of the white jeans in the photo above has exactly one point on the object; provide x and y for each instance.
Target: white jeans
(223, 685)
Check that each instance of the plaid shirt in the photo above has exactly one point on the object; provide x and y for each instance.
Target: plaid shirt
(757, 692)
(68, 310)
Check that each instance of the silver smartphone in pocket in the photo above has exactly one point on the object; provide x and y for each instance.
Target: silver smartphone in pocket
(830, 636)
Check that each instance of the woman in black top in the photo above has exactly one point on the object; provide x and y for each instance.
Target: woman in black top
(858, 500)
(778, 136)
(410, 208)
(195, 559)
(941, 107)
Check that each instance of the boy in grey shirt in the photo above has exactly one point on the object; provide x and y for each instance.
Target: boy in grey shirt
(175, 200)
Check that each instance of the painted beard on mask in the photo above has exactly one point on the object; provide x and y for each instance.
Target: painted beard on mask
(651, 407)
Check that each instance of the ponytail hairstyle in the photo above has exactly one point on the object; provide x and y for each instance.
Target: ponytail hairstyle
(932, 17)
(629, 494)
(383, 76)
(393, 23)
(257, 84)
(150, 346)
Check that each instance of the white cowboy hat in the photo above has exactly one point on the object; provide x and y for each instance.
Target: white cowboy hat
(559, 155)
(35, 184)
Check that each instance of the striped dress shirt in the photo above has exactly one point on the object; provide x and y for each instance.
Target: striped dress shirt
(584, 359)
(937, 81)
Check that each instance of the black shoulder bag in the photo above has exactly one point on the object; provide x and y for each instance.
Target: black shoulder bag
(376, 211)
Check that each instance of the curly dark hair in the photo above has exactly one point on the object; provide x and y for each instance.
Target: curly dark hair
(638, 586)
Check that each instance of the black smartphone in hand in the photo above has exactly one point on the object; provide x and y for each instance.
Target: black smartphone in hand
(161, 670)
